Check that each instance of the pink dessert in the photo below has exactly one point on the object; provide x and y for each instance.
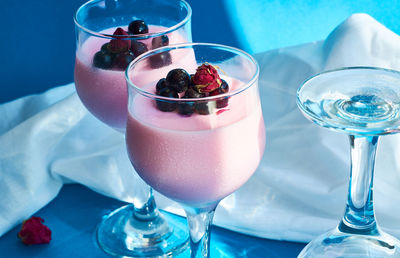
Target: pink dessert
(103, 91)
(196, 159)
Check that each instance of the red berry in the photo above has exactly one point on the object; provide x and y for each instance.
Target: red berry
(206, 78)
(121, 43)
(34, 232)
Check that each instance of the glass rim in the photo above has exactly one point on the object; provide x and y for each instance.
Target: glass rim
(352, 130)
(341, 69)
(145, 55)
(137, 36)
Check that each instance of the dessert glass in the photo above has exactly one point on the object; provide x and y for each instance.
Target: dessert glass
(364, 103)
(196, 159)
(139, 229)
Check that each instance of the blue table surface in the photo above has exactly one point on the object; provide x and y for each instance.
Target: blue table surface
(74, 214)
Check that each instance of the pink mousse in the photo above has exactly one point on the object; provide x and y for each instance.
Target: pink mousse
(104, 92)
(199, 159)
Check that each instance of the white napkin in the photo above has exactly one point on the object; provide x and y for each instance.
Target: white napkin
(299, 190)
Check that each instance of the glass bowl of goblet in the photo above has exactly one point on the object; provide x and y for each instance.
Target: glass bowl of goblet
(109, 35)
(364, 103)
(202, 142)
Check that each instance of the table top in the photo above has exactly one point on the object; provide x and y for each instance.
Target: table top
(74, 214)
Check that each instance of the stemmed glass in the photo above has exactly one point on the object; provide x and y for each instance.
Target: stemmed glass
(195, 150)
(110, 34)
(363, 102)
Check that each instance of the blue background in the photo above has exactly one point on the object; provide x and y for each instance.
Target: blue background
(37, 47)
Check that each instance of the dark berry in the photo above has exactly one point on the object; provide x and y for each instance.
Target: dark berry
(178, 79)
(161, 41)
(223, 88)
(138, 27)
(102, 60)
(161, 84)
(122, 60)
(165, 105)
(186, 108)
(192, 94)
(104, 48)
(204, 108)
(160, 60)
(138, 48)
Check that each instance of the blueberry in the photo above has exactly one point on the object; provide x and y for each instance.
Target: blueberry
(188, 108)
(138, 27)
(122, 60)
(178, 79)
(138, 48)
(165, 105)
(161, 41)
(191, 93)
(103, 60)
(105, 49)
(204, 108)
(223, 88)
(160, 60)
(161, 84)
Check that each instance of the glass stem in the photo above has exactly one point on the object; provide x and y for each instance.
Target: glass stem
(200, 221)
(144, 204)
(359, 217)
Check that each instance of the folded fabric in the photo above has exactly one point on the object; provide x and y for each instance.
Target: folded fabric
(299, 190)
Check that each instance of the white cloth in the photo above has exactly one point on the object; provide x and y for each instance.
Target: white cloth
(299, 190)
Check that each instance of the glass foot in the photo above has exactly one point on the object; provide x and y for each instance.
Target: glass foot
(122, 234)
(339, 244)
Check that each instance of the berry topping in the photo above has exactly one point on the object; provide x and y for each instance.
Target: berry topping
(206, 78)
(178, 79)
(161, 84)
(224, 88)
(165, 105)
(188, 108)
(119, 44)
(160, 60)
(138, 48)
(122, 60)
(161, 41)
(138, 27)
(192, 94)
(104, 48)
(103, 60)
(205, 108)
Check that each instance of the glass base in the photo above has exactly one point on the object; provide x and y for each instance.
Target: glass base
(122, 234)
(338, 244)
